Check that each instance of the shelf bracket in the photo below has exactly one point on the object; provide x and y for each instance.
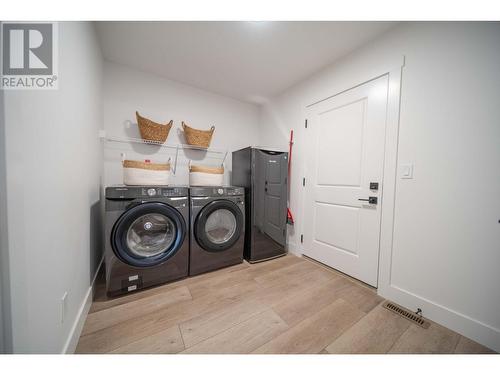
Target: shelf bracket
(175, 161)
(223, 160)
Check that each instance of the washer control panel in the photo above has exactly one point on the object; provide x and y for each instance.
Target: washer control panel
(161, 191)
(131, 192)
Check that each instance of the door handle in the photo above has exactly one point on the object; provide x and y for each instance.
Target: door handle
(371, 200)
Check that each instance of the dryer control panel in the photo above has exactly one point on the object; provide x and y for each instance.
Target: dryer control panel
(216, 191)
(235, 191)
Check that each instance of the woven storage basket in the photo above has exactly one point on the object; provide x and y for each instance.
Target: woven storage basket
(152, 131)
(141, 173)
(206, 176)
(196, 137)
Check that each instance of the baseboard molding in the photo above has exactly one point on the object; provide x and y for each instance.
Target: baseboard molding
(76, 329)
(475, 330)
(294, 249)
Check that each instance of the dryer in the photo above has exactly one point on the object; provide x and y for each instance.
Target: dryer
(217, 228)
(146, 229)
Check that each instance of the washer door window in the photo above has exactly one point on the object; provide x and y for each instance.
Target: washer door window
(218, 225)
(148, 234)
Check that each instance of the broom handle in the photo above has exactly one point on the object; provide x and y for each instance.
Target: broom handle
(290, 154)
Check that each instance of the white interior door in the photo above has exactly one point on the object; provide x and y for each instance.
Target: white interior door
(345, 154)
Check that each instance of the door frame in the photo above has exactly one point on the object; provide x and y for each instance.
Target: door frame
(394, 73)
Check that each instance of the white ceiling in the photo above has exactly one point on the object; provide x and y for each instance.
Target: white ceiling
(244, 60)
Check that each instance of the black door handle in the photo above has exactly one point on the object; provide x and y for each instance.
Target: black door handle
(371, 200)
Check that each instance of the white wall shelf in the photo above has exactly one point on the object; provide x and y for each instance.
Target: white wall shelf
(223, 153)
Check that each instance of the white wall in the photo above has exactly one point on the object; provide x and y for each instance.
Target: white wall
(446, 250)
(5, 340)
(127, 90)
(54, 164)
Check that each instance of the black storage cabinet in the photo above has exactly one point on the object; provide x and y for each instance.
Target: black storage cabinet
(263, 174)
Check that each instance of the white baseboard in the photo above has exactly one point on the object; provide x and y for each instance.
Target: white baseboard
(475, 330)
(76, 329)
(294, 249)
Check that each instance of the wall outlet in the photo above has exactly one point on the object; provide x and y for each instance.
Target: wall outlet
(64, 306)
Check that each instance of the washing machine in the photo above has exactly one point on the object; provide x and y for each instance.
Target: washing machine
(147, 241)
(217, 230)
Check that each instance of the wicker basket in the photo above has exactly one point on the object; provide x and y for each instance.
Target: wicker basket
(141, 173)
(206, 176)
(152, 131)
(196, 137)
(146, 165)
(211, 170)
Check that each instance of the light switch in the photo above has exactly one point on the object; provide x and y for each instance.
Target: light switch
(406, 170)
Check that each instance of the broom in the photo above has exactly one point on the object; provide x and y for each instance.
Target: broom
(289, 216)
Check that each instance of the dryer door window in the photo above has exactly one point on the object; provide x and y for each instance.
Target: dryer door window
(148, 234)
(218, 225)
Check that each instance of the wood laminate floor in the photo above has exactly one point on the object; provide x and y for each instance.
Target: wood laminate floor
(286, 305)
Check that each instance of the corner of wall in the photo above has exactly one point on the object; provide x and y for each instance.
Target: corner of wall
(96, 209)
(5, 319)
